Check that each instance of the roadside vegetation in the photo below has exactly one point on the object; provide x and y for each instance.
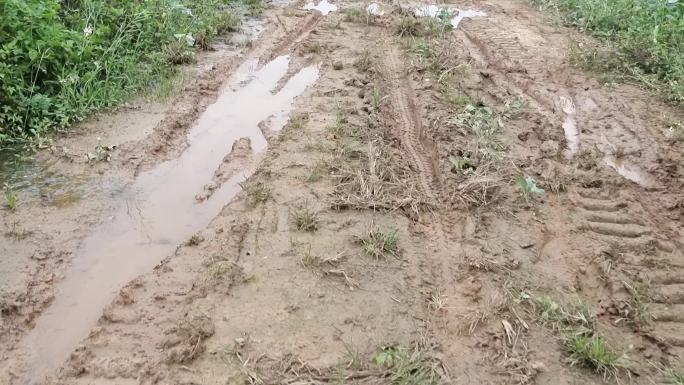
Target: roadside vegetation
(61, 60)
(645, 40)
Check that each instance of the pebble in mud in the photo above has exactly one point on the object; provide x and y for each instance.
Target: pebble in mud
(337, 66)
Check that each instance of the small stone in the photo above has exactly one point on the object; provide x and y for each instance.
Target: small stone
(338, 65)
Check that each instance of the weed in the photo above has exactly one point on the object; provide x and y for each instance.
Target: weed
(379, 243)
(528, 187)
(62, 60)
(576, 317)
(306, 218)
(355, 15)
(313, 47)
(316, 173)
(514, 108)
(672, 376)
(11, 200)
(677, 130)
(437, 301)
(636, 308)
(595, 353)
(194, 240)
(102, 153)
(364, 62)
(422, 48)
(378, 98)
(462, 163)
(218, 270)
(643, 38)
(310, 260)
(410, 366)
(257, 193)
(486, 126)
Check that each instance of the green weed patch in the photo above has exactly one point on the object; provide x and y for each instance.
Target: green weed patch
(61, 60)
(645, 39)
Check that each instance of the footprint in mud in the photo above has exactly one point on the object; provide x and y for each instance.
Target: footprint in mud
(159, 210)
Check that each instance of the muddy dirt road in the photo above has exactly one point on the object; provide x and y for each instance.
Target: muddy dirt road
(364, 193)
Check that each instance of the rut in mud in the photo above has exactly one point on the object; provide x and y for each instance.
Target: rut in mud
(438, 199)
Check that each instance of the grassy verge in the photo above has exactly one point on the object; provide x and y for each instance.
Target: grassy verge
(61, 60)
(645, 40)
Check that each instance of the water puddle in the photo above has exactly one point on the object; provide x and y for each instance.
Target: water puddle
(572, 135)
(456, 15)
(323, 6)
(375, 9)
(630, 171)
(160, 209)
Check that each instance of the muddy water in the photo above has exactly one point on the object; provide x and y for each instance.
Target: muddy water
(159, 211)
(435, 11)
(323, 6)
(572, 136)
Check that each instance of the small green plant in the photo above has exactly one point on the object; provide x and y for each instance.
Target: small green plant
(379, 243)
(102, 153)
(594, 353)
(576, 316)
(313, 47)
(378, 98)
(10, 197)
(461, 163)
(257, 193)
(637, 308)
(422, 48)
(306, 218)
(355, 15)
(316, 173)
(481, 122)
(309, 260)
(528, 187)
(194, 240)
(672, 376)
(410, 366)
(218, 270)
(364, 62)
(514, 108)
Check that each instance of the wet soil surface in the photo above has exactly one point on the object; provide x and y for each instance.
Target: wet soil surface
(231, 234)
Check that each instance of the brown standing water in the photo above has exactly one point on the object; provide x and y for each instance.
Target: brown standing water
(160, 209)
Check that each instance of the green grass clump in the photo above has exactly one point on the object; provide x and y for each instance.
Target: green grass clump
(306, 219)
(595, 353)
(61, 60)
(379, 243)
(410, 366)
(645, 39)
(11, 200)
(257, 193)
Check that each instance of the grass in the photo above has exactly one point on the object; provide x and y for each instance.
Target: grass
(637, 308)
(364, 63)
(62, 60)
(257, 193)
(485, 126)
(410, 366)
(11, 201)
(643, 40)
(594, 353)
(306, 218)
(194, 240)
(527, 187)
(316, 173)
(377, 98)
(672, 376)
(379, 243)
